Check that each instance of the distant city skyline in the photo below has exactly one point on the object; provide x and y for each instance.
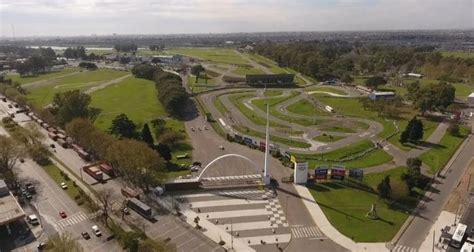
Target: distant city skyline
(103, 17)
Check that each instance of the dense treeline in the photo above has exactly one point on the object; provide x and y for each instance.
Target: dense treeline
(171, 92)
(126, 47)
(133, 159)
(328, 59)
(88, 65)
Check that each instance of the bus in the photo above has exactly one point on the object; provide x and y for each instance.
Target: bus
(139, 207)
(458, 235)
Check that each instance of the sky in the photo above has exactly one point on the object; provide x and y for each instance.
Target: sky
(102, 17)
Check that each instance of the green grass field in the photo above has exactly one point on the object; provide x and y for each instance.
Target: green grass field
(437, 157)
(134, 97)
(346, 209)
(305, 107)
(219, 55)
(238, 99)
(374, 158)
(42, 95)
(201, 85)
(247, 69)
(428, 128)
(327, 138)
(458, 54)
(39, 77)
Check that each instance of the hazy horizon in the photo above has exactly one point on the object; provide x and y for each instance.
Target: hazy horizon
(145, 17)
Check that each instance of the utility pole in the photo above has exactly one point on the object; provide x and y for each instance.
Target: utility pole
(433, 241)
(231, 235)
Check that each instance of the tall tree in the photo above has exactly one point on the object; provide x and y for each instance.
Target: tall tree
(10, 152)
(62, 242)
(146, 135)
(122, 126)
(72, 104)
(165, 151)
(105, 198)
(384, 189)
(375, 81)
(196, 71)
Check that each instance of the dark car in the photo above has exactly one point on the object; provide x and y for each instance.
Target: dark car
(85, 235)
(28, 196)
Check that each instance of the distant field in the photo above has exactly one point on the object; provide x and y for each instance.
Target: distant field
(458, 54)
(220, 55)
(45, 76)
(44, 93)
(247, 69)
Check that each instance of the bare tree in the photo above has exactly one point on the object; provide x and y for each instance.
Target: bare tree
(10, 152)
(63, 242)
(104, 197)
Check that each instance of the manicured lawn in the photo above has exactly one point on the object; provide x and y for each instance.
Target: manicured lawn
(134, 97)
(458, 54)
(55, 174)
(463, 90)
(43, 76)
(305, 107)
(376, 157)
(247, 69)
(238, 101)
(428, 128)
(268, 63)
(220, 55)
(43, 95)
(327, 138)
(270, 92)
(437, 157)
(201, 85)
(373, 179)
(346, 209)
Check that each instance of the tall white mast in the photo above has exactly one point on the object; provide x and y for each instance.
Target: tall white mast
(266, 176)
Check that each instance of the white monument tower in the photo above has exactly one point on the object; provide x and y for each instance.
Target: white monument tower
(266, 175)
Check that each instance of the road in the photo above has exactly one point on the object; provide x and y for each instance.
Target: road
(206, 148)
(48, 201)
(422, 222)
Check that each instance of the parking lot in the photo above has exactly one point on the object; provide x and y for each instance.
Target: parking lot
(171, 228)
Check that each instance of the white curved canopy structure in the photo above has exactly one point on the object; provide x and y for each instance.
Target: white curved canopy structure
(226, 156)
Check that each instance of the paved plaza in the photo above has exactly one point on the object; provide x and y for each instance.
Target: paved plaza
(254, 217)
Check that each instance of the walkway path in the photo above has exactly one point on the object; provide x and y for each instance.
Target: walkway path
(106, 84)
(46, 82)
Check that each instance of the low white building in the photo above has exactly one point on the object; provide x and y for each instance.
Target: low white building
(470, 99)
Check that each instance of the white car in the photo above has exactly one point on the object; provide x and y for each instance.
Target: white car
(64, 185)
(96, 230)
(32, 219)
(194, 168)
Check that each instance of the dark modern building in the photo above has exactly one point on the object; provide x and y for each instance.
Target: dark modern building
(270, 79)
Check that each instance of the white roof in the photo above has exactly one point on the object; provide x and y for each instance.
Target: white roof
(383, 93)
(471, 95)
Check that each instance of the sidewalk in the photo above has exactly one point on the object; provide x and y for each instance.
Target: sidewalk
(213, 232)
(323, 223)
(445, 219)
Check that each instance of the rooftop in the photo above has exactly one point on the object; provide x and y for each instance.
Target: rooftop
(383, 93)
(10, 210)
(471, 95)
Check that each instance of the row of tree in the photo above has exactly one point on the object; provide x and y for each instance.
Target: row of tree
(327, 59)
(432, 97)
(133, 159)
(171, 92)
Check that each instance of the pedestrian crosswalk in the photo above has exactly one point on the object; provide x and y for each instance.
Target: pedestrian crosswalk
(252, 176)
(71, 220)
(306, 232)
(401, 248)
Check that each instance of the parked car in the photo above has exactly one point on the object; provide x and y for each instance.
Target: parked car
(32, 219)
(63, 185)
(30, 188)
(63, 214)
(41, 246)
(126, 210)
(85, 235)
(96, 231)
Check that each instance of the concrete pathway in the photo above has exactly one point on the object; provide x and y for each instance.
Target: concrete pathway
(106, 84)
(45, 82)
(444, 219)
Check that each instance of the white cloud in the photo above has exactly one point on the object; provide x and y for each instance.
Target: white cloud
(69, 17)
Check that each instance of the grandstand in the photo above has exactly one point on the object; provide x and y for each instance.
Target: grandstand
(270, 79)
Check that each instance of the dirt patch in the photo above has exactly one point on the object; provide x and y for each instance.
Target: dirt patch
(459, 194)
